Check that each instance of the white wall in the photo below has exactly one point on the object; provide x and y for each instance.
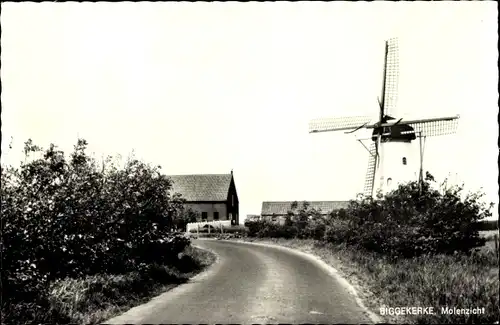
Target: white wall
(392, 167)
(216, 224)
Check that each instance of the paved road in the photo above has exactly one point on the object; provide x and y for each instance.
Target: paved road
(253, 284)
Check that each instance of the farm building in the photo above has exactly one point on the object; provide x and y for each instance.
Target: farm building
(277, 211)
(214, 196)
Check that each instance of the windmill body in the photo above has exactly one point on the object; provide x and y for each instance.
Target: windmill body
(394, 140)
(398, 164)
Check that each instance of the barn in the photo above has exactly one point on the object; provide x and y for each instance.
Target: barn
(277, 211)
(214, 196)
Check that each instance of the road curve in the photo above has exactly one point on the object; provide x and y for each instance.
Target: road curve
(253, 284)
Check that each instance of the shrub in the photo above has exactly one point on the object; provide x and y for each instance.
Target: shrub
(67, 217)
(337, 231)
(236, 229)
(254, 227)
(411, 221)
(264, 228)
(186, 216)
(302, 223)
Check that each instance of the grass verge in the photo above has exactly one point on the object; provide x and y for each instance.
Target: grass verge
(96, 298)
(431, 281)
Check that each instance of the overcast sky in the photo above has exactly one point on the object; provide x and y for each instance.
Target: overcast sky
(210, 87)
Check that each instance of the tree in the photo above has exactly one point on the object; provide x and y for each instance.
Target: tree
(186, 216)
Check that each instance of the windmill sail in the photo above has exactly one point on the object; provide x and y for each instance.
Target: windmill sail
(391, 77)
(435, 128)
(370, 172)
(337, 124)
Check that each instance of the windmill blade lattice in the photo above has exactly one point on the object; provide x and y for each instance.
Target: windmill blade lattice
(391, 77)
(337, 124)
(434, 128)
(370, 172)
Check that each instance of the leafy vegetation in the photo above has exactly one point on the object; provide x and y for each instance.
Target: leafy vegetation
(417, 246)
(409, 221)
(72, 218)
(186, 216)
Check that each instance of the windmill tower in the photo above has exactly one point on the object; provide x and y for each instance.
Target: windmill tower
(390, 160)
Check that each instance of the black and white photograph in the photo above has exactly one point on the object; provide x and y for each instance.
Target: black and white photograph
(249, 162)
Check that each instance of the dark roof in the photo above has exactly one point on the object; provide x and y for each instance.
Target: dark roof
(282, 208)
(211, 187)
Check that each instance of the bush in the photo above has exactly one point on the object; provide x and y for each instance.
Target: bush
(67, 217)
(315, 229)
(337, 231)
(411, 221)
(274, 230)
(264, 228)
(300, 223)
(186, 216)
(236, 229)
(254, 227)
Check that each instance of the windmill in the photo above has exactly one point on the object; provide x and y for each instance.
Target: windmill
(391, 141)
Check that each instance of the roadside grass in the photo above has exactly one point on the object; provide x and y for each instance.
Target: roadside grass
(96, 298)
(202, 257)
(427, 281)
